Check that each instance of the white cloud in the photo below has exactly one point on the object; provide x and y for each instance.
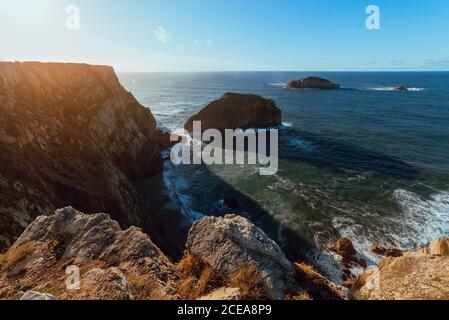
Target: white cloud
(162, 35)
(208, 42)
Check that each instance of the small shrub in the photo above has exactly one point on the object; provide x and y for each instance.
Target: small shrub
(302, 296)
(197, 278)
(248, 279)
(15, 255)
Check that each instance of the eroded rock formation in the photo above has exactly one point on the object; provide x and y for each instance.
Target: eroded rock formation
(113, 264)
(237, 111)
(231, 243)
(70, 134)
(312, 83)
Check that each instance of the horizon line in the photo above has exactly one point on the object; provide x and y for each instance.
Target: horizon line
(286, 71)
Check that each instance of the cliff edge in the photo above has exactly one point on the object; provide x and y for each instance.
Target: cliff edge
(70, 134)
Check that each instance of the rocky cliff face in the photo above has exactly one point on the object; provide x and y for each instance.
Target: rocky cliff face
(237, 111)
(422, 275)
(70, 134)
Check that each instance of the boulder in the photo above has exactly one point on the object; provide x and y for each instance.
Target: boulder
(438, 247)
(349, 256)
(386, 252)
(231, 243)
(93, 243)
(237, 111)
(312, 83)
(345, 248)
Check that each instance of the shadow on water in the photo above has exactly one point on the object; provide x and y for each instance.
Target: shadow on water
(321, 151)
(174, 225)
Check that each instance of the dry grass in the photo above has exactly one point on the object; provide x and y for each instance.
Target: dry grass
(197, 278)
(302, 296)
(142, 287)
(248, 279)
(15, 255)
(317, 286)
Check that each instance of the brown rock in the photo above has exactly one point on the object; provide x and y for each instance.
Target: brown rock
(413, 276)
(439, 247)
(114, 264)
(345, 249)
(70, 134)
(237, 111)
(386, 252)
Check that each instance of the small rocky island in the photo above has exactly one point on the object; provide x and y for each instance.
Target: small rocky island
(238, 111)
(401, 89)
(312, 83)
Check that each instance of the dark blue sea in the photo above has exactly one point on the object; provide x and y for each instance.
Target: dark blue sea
(365, 161)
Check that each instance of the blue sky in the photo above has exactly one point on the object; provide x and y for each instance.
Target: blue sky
(219, 35)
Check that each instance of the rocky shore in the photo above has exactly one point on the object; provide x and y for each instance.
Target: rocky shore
(71, 135)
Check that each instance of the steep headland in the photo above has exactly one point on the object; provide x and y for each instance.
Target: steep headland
(70, 134)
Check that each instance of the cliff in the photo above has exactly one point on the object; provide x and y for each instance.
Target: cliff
(70, 134)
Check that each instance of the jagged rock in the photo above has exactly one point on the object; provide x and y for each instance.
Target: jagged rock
(312, 83)
(349, 256)
(164, 137)
(413, 276)
(391, 252)
(319, 287)
(33, 295)
(438, 247)
(109, 284)
(224, 294)
(70, 134)
(237, 111)
(231, 243)
(346, 250)
(96, 243)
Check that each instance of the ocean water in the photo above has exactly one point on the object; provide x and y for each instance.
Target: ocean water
(364, 162)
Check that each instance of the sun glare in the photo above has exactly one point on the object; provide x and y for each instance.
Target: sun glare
(25, 10)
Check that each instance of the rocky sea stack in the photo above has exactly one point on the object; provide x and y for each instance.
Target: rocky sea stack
(238, 111)
(312, 83)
